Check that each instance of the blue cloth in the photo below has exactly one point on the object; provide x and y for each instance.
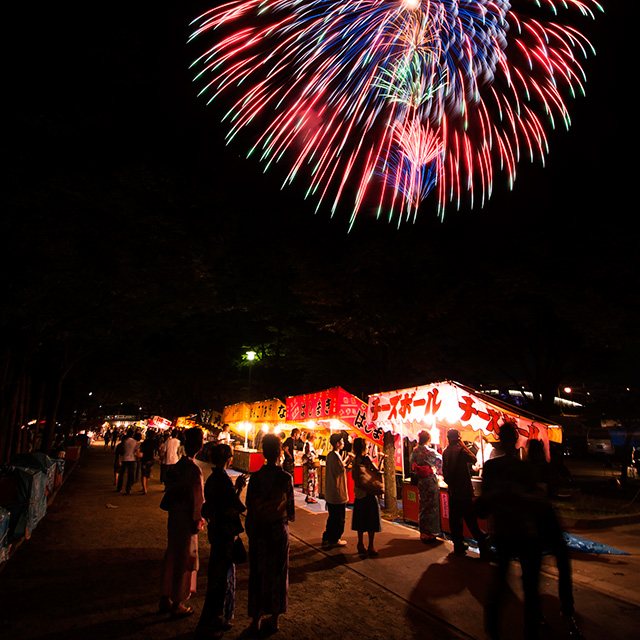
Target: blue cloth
(578, 543)
(4, 535)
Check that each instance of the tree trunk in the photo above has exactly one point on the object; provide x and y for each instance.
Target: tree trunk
(390, 490)
(52, 413)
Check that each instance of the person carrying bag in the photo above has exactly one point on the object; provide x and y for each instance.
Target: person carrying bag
(368, 485)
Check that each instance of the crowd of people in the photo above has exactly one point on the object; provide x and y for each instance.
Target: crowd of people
(514, 498)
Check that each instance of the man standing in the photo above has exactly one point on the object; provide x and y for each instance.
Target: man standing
(455, 469)
(335, 493)
(288, 449)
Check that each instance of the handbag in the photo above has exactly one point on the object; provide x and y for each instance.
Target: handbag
(238, 552)
(369, 479)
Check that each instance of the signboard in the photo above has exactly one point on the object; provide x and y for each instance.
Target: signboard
(235, 412)
(334, 404)
(186, 423)
(268, 411)
(156, 422)
(447, 405)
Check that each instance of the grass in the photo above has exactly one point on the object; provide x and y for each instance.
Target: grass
(601, 500)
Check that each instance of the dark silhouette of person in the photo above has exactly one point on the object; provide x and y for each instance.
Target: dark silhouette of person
(270, 508)
(551, 534)
(510, 496)
(456, 459)
(222, 509)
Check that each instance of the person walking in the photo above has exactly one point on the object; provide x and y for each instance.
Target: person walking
(117, 463)
(147, 447)
(221, 510)
(270, 508)
(128, 463)
(426, 464)
(511, 496)
(456, 459)
(183, 499)
(335, 493)
(366, 509)
(551, 534)
(171, 451)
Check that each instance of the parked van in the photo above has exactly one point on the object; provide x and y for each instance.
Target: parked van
(599, 441)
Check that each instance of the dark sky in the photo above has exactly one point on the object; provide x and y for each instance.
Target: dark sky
(103, 105)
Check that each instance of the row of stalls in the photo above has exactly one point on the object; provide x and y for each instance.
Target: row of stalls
(435, 408)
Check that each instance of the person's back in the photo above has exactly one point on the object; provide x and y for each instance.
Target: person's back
(511, 496)
(455, 469)
(148, 447)
(129, 446)
(172, 447)
(508, 485)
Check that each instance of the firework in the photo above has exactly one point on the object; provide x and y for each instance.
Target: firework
(380, 102)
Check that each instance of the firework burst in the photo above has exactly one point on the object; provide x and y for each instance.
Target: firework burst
(380, 102)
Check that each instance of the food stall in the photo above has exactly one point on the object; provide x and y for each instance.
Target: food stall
(250, 421)
(324, 413)
(441, 406)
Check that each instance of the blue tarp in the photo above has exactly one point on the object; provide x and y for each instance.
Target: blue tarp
(4, 535)
(578, 543)
(39, 462)
(30, 504)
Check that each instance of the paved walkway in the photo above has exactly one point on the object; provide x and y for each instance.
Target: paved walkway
(92, 570)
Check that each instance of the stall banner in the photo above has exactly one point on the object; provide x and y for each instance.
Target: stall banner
(333, 404)
(156, 422)
(185, 423)
(448, 405)
(268, 411)
(235, 412)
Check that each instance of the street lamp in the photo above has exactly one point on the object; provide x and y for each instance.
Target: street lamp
(251, 356)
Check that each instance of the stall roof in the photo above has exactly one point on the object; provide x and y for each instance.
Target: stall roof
(448, 405)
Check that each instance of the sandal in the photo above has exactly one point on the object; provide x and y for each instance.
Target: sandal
(372, 552)
(362, 550)
(180, 611)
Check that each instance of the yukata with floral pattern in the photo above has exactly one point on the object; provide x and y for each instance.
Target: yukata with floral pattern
(429, 492)
(310, 456)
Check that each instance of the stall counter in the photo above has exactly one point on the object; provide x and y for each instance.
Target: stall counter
(411, 509)
(247, 460)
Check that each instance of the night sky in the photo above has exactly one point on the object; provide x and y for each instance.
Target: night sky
(150, 255)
